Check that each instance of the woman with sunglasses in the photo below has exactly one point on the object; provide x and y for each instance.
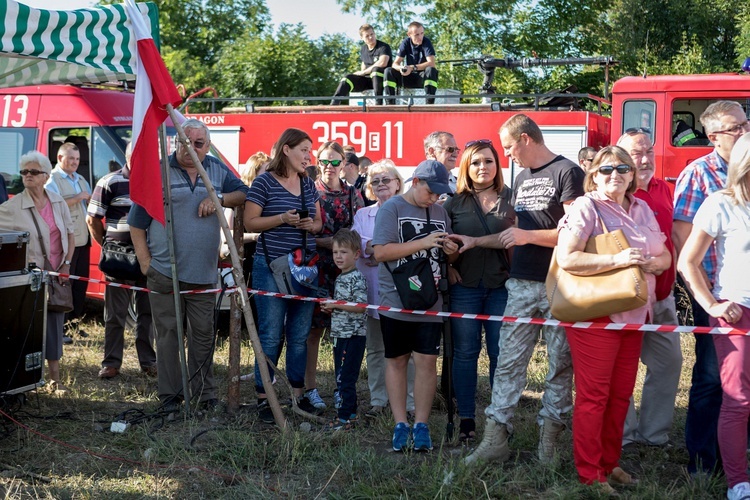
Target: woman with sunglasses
(56, 226)
(338, 203)
(605, 362)
(383, 182)
(481, 206)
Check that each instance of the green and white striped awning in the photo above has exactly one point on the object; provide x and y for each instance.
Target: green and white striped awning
(94, 45)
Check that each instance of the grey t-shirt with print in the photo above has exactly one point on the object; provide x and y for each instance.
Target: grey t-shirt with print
(398, 221)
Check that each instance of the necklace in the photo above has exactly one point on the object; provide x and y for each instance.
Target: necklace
(477, 191)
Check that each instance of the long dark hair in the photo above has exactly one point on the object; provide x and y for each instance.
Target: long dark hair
(291, 137)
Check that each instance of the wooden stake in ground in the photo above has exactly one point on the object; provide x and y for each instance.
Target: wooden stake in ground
(273, 399)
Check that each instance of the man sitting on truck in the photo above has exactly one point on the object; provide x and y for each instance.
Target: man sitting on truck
(414, 66)
(375, 55)
(66, 182)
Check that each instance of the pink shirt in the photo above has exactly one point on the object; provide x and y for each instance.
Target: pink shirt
(364, 224)
(639, 226)
(55, 252)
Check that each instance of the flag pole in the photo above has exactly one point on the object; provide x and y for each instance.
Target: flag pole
(273, 399)
(173, 263)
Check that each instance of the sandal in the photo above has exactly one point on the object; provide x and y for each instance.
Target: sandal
(621, 478)
(338, 424)
(466, 430)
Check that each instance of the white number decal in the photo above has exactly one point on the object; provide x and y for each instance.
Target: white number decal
(21, 109)
(357, 135)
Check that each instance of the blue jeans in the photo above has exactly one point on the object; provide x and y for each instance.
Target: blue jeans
(467, 339)
(347, 361)
(278, 318)
(702, 422)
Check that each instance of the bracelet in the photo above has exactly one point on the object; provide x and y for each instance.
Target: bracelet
(281, 216)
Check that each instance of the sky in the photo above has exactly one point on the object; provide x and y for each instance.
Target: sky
(318, 16)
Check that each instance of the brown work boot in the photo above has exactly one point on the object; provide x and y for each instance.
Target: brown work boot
(548, 435)
(494, 445)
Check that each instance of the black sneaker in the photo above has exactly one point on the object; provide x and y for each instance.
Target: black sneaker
(304, 404)
(264, 412)
(210, 405)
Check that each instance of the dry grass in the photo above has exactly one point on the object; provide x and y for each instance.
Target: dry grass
(236, 456)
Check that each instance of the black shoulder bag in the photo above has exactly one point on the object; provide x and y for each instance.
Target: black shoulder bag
(415, 282)
(503, 252)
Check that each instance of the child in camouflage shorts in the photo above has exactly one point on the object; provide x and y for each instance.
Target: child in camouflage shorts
(348, 324)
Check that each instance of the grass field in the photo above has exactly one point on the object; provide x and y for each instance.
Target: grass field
(65, 448)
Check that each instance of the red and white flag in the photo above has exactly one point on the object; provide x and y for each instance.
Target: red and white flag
(153, 91)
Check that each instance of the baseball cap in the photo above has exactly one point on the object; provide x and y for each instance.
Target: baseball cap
(352, 158)
(435, 175)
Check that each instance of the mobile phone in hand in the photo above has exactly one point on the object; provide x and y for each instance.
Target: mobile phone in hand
(303, 214)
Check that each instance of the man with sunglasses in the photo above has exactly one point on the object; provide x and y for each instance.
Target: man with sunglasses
(660, 352)
(196, 246)
(67, 182)
(441, 146)
(375, 55)
(724, 122)
(585, 157)
(546, 184)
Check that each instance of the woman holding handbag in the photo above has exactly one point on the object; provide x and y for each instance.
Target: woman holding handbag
(284, 206)
(480, 207)
(46, 217)
(605, 362)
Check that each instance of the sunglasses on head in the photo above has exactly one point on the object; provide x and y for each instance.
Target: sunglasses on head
(608, 169)
(384, 180)
(638, 130)
(26, 171)
(481, 142)
(335, 163)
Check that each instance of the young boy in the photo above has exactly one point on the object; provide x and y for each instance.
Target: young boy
(348, 324)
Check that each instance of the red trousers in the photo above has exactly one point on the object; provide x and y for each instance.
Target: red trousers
(605, 365)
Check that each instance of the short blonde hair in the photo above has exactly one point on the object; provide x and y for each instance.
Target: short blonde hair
(251, 169)
(382, 167)
(609, 151)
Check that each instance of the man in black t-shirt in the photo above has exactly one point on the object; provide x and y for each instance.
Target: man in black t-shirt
(547, 183)
(375, 56)
(414, 66)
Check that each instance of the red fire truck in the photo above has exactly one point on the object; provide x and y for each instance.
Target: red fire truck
(99, 122)
(663, 105)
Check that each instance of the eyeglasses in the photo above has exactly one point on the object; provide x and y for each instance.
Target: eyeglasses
(384, 180)
(34, 172)
(481, 142)
(450, 149)
(608, 169)
(589, 160)
(335, 163)
(638, 130)
(740, 127)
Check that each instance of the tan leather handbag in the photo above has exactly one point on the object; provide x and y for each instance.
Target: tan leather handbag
(581, 298)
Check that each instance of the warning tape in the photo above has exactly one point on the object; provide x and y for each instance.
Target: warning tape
(442, 314)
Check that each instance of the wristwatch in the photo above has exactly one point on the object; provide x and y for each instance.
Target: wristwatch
(414, 68)
(221, 198)
(66, 262)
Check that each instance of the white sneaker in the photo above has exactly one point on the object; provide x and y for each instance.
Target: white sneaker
(740, 491)
(315, 399)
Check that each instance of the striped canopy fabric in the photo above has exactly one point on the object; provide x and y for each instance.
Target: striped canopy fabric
(94, 45)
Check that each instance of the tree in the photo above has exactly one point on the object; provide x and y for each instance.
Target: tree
(286, 63)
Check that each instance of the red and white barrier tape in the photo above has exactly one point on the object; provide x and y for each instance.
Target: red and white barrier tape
(480, 317)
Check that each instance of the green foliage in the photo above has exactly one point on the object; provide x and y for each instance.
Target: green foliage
(285, 63)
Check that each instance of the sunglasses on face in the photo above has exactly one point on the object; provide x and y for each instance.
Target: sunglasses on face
(740, 127)
(384, 180)
(450, 149)
(638, 130)
(335, 163)
(588, 160)
(481, 142)
(31, 172)
(608, 169)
